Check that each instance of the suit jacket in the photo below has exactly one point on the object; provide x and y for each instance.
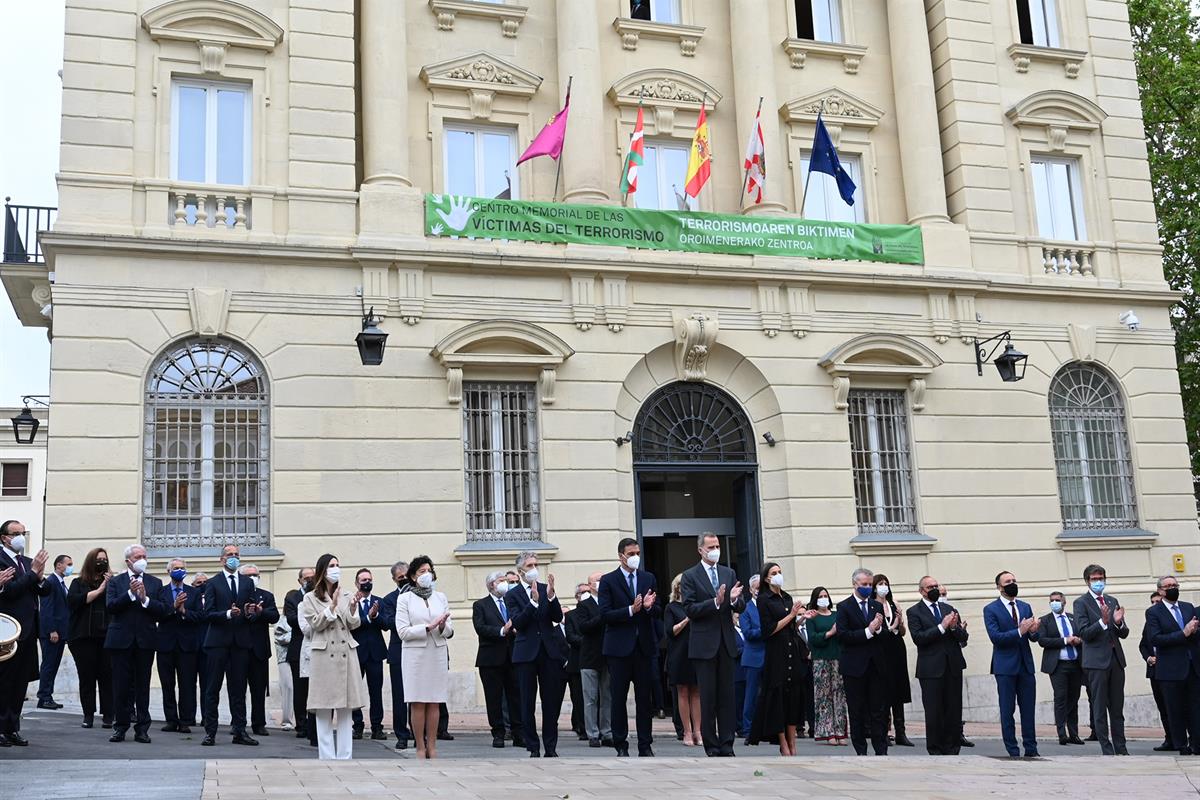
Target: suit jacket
(178, 630)
(495, 649)
(291, 612)
(1011, 653)
(937, 652)
(260, 624)
(54, 616)
(754, 648)
(594, 634)
(130, 624)
(623, 633)
(1177, 654)
(232, 631)
(536, 631)
(387, 615)
(1050, 639)
(711, 628)
(857, 651)
(369, 635)
(1100, 646)
(19, 597)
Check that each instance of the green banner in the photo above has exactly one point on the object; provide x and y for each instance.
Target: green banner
(685, 231)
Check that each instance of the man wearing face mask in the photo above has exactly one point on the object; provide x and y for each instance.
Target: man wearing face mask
(372, 652)
(936, 631)
(1171, 629)
(291, 612)
(395, 655)
(1101, 626)
(489, 616)
(628, 606)
(539, 654)
(1011, 626)
(22, 582)
(134, 609)
(176, 645)
(54, 619)
(1060, 660)
(859, 624)
(593, 666)
(260, 614)
(1146, 650)
(228, 645)
(197, 608)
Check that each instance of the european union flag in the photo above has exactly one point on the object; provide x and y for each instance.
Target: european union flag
(825, 159)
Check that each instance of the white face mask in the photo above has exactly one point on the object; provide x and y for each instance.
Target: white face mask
(634, 562)
(777, 580)
(822, 602)
(501, 587)
(17, 543)
(882, 590)
(425, 580)
(531, 575)
(585, 596)
(138, 566)
(333, 575)
(713, 555)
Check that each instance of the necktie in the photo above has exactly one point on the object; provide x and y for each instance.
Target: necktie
(632, 586)
(233, 586)
(712, 574)
(1070, 651)
(1178, 615)
(937, 612)
(20, 564)
(1013, 608)
(503, 609)
(864, 610)
(365, 609)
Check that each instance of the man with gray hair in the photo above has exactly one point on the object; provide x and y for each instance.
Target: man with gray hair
(539, 653)
(387, 618)
(261, 615)
(494, 629)
(859, 621)
(134, 608)
(177, 647)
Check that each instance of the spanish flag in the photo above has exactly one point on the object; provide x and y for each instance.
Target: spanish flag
(700, 158)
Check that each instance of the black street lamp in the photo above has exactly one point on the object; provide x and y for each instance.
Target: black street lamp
(371, 340)
(25, 424)
(1010, 364)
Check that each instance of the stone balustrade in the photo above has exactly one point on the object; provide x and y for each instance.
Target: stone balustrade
(1068, 258)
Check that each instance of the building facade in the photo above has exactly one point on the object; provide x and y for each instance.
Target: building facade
(239, 182)
(23, 477)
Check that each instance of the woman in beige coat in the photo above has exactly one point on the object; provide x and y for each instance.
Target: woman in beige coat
(335, 679)
(423, 624)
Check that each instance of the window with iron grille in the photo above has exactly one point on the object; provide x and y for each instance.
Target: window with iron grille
(1091, 450)
(882, 462)
(206, 450)
(500, 438)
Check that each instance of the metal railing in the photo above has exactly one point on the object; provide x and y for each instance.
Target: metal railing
(21, 227)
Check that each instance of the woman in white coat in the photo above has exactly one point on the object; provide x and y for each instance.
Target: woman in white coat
(335, 679)
(423, 624)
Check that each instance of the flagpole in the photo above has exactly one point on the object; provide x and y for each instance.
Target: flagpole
(746, 169)
(808, 177)
(558, 169)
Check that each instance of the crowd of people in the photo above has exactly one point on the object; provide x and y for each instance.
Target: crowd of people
(740, 662)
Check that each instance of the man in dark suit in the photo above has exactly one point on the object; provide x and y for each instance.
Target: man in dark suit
(1171, 628)
(387, 614)
(593, 666)
(228, 603)
(21, 584)
(134, 609)
(1060, 660)
(177, 645)
(1011, 626)
(494, 629)
(53, 620)
(1147, 652)
(754, 651)
(291, 612)
(372, 652)
(1100, 622)
(261, 616)
(937, 632)
(711, 595)
(859, 621)
(574, 636)
(196, 606)
(539, 654)
(628, 606)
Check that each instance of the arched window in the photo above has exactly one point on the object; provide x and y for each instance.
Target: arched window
(1091, 450)
(206, 463)
(687, 422)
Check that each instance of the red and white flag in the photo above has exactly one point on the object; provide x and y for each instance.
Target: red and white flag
(755, 164)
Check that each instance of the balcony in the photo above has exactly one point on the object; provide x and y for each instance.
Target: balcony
(22, 224)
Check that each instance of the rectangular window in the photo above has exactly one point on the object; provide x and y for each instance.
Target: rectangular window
(210, 133)
(824, 201)
(662, 176)
(656, 10)
(1038, 22)
(500, 439)
(819, 20)
(14, 479)
(480, 162)
(1058, 195)
(882, 462)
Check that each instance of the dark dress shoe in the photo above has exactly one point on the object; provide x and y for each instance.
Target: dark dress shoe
(106, 724)
(534, 754)
(965, 742)
(1063, 740)
(49, 705)
(87, 722)
(1164, 747)
(498, 742)
(378, 735)
(1124, 752)
(595, 743)
(445, 737)
(241, 738)
(170, 727)
(519, 741)
(1092, 737)
(184, 729)
(402, 744)
(1075, 740)
(301, 733)
(551, 754)
(141, 738)
(357, 733)
(623, 750)
(647, 752)
(17, 740)
(583, 737)
(1032, 754)
(209, 741)
(119, 736)
(903, 741)
(607, 741)
(260, 730)
(4, 742)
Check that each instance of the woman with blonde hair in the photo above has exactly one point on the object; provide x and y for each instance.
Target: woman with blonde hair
(423, 625)
(681, 675)
(335, 680)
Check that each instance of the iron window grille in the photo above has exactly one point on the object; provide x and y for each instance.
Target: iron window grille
(882, 462)
(206, 450)
(687, 422)
(500, 439)
(1091, 451)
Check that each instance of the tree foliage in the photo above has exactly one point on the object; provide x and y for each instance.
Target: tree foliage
(1166, 40)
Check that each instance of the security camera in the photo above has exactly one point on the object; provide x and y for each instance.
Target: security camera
(1130, 320)
(47, 311)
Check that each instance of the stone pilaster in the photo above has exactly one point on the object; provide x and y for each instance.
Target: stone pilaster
(385, 81)
(579, 57)
(754, 74)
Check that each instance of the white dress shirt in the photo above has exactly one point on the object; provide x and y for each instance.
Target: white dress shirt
(134, 576)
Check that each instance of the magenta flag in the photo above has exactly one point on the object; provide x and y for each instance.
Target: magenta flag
(550, 141)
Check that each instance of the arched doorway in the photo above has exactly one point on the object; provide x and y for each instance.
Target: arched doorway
(695, 469)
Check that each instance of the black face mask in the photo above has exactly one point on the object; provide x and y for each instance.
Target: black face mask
(102, 566)
(1172, 594)
(366, 586)
(934, 594)
(307, 587)
(1010, 590)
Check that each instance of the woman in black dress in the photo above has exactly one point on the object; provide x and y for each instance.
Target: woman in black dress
(780, 708)
(85, 636)
(681, 675)
(895, 657)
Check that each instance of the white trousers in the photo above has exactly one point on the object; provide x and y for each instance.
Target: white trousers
(285, 694)
(329, 746)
